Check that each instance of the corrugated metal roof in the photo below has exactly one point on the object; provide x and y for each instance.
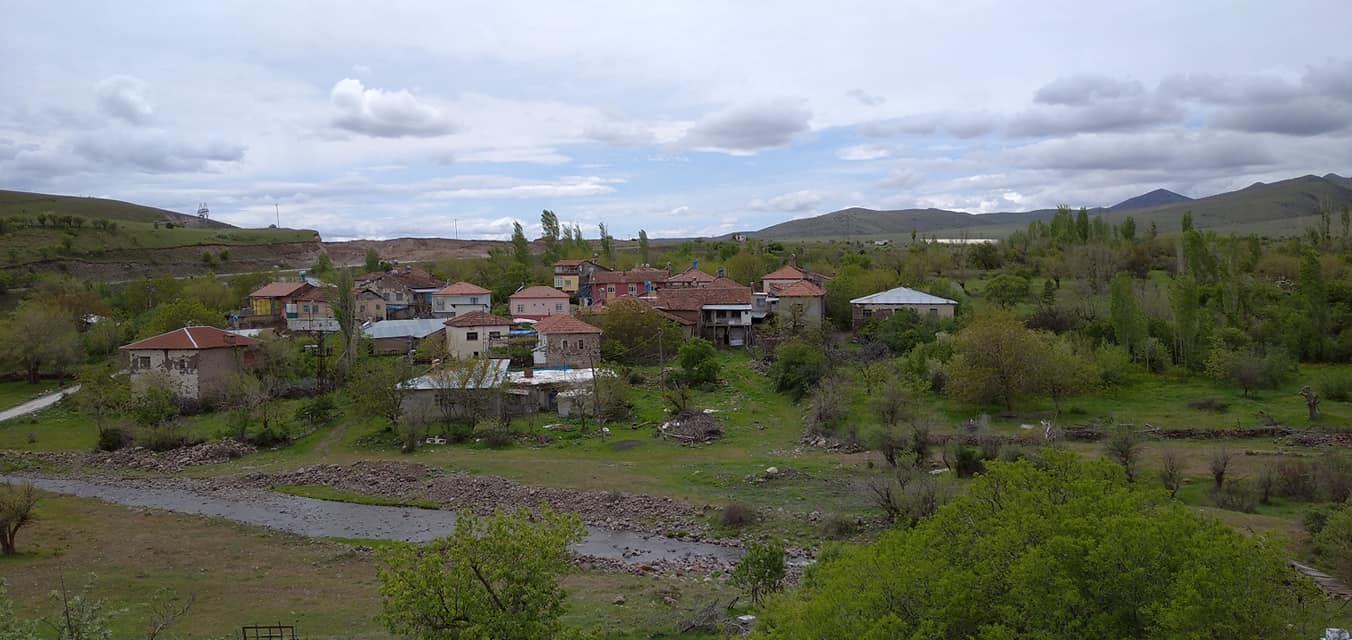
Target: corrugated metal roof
(417, 328)
(485, 375)
(901, 295)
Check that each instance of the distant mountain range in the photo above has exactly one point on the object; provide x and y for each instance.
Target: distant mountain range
(1279, 208)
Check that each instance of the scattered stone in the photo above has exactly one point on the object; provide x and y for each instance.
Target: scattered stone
(772, 471)
(618, 600)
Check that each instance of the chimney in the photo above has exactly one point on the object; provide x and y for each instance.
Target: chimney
(793, 260)
(694, 264)
(528, 373)
(720, 272)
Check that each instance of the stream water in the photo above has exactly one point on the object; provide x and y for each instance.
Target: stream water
(329, 519)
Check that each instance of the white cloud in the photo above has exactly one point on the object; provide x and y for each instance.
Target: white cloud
(567, 187)
(863, 152)
(795, 201)
(392, 114)
(123, 97)
(746, 129)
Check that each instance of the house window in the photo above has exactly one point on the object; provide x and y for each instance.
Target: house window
(399, 296)
(633, 289)
(472, 335)
(494, 335)
(441, 305)
(558, 306)
(558, 283)
(386, 295)
(474, 300)
(868, 313)
(142, 362)
(361, 308)
(610, 289)
(476, 354)
(934, 312)
(521, 308)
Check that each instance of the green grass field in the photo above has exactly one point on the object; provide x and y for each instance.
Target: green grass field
(22, 246)
(18, 392)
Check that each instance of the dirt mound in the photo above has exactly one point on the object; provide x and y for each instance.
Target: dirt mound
(691, 427)
(140, 458)
(483, 494)
(353, 252)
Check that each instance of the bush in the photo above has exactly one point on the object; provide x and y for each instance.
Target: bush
(112, 439)
(836, 526)
(1336, 386)
(1315, 518)
(967, 461)
(699, 363)
(163, 439)
(736, 516)
(1209, 404)
(317, 411)
(496, 435)
(1113, 365)
(273, 435)
(761, 571)
(797, 367)
(1236, 495)
(1334, 543)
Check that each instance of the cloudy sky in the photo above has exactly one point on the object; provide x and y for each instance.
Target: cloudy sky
(387, 119)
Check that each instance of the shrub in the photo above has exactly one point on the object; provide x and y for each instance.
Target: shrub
(496, 435)
(797, 367)
(1236, 495)
(967, 461)
(1334, 542)
(1113, 365)
(836, 526)
(1336, 386)
(317, 411)
(112, 439)
(699, 363)
(1314, 518)
(761, 571)
(736, 516)
(163, 439)
(1124, 447)
(271, 436)
(1209, 404)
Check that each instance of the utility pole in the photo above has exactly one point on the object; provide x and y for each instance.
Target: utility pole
(278, 212)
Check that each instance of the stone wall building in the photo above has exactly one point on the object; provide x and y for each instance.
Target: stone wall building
(565, 341)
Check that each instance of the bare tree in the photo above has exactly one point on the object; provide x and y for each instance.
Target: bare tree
(1124, 447)
(1220, 465)
(165, 611)
(16, 510)
(1171, 472)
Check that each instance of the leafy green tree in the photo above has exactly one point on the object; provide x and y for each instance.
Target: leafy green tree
(39, 338)
(1185, 224)
(343, 300)
(520, 246)
(1054, 548)
(634, 333)
(103, 395)
(1062, 373)
(1183, 300)
(744, 268)
(995, 359)
(549, 232)
(180, 313)
(11, 627)
(1248, 368)
(698, 360)
(1314, 300)
(901, 331)
(643, 248)
(493, 577)
(797, 367)
(323, 266)
(760, 572)
(1334, 542)
(154, 402)
(372, 264)
(1007, 290)
(1129, 327)
(1128, 229)
(1082, 225)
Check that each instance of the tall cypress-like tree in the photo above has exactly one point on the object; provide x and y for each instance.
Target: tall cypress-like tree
(1125, 312)
(1082, 225)
(1183, 298)
(643, 246)
(607, 244)
(549, 232)
(520, 247)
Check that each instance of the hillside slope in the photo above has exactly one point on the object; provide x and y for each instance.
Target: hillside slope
(23, 203)
(1278, 208)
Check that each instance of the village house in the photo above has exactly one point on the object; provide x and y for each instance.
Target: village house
(460, 298)
(789, 274)
(799, 305)
(565, 341)
(721, 312)
(473, 334)
(407, 291)
(534, 303)
(885, 303)
(462, 390)
(574, 277)
(267, 305)
(609, 285)
(690, 278)
(313, 311)
(401, 336)
(197, 362)
(686, 325)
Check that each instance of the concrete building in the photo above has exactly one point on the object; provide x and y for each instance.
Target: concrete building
(565, 341)
(800, 304)
(460, 298)
(789, 274)
(722, 312)
(574, 277)
(473, 334)
(609, 285)
(534, 303)
(313, 311)
(267, 305)
(886, 303)
(407, 291)
(197, 362)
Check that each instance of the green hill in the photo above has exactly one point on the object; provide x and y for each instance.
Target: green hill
(1279, 208)
(23, 203)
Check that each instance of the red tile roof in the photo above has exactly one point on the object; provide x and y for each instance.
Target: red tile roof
(478, 319)
(278, 289)
(786, 272)
(539, 292)
(406, 276)
(192, 338)
(724, 283)
(462, 289)
(571, 263)
(798, 289)
(564, 324)
(694, 299)
(645, 305)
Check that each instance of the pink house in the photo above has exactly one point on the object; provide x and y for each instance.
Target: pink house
(533, 303)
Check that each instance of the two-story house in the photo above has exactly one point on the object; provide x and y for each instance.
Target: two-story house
(691, 278)
(534, 303)
(609, 285)
(196, 362)
(574, 277)
(473, 334)
(790, 273)
(407, 291)
(722, 313)
(565, 341)
(460, 298)
(268, 304)
(314, 311)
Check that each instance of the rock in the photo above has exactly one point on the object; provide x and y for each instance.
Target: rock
(669, 601)
(618, 600)
(772, 471)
